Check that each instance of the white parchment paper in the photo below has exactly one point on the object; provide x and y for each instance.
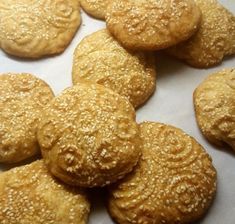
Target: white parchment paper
(171, 104)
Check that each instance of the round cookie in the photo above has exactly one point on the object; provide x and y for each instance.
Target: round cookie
(174, 181)
(214, 40)
(152, 24)
(29, 194)
(22, 98)
(35, 28)
(214, 102)
(88, 136)
(96, 8)
(100, 58)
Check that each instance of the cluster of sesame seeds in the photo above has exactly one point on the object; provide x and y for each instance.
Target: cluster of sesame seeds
(22, 98)
(215, 107)
(36, 28)
(94, 139)
(100, 58)
(29, 194)
(156, 193)
(152, 25)
(214, 39)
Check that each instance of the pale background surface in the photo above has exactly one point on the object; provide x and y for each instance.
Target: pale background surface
(171, 103)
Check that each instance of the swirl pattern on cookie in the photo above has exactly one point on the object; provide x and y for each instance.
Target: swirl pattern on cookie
(214, 101)
(100, 58)
(161, 189)
(214, 40)
(151, 24)
(34, 29)
(89, 136)
(29, 194)
(22, 98)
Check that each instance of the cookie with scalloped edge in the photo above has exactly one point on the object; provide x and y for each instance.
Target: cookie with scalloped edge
(22, 98)
(174, 181)
(214, 103)
(37, 28)
(100, 58)
(29, 194)
(214, 40)
(89, 136)
(151, 24)
(95, 8)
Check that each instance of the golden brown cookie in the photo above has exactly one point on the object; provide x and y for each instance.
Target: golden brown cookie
(100, 58)
(214, 102)
(29, 195)
(174, 181)
(22, 98)
(96, 8)
(152, 24)
(88, 136)
(35, 28)
(214, 40)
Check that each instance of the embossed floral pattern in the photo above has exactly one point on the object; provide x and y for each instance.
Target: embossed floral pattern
(174, 181)
(93, 136)
(22, 98)
(100, 58)
(37, 28)
(215, 107)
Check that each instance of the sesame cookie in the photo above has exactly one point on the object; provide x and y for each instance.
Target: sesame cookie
(88, 136)
(152, 24)
(100, 58)
(214, 102)
(96, 8)
(22, 98)
(37, 28)
(174, 181)
(29, 194)
(214, 40)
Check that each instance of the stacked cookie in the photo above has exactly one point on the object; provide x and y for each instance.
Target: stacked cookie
(30, 195)
(199, 32)
(101, 59)
(88, 135)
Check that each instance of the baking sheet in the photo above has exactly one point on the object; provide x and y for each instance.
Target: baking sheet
(171, 104)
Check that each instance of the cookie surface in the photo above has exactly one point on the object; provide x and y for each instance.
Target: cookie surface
(22, 98)
(152, 24)
(214, 102)
(96, 8)
(89, 136)
(37, 28)
(214, 40)
(174, 181)
(29, 194)
(100, 58)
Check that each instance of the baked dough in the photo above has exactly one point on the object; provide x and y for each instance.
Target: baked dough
(214, 40)
(152, 24)
(96, 8)
(100, 58)
(174, 181)
(36, 28)
(29, 195)
(214, 101)
(22, 98)
(88, 136)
